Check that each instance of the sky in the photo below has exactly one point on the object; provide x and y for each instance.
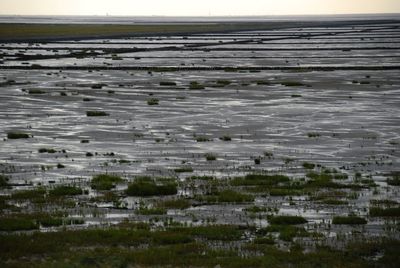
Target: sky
(196, 7)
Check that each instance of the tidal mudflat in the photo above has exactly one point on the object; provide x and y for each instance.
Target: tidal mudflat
(263, 148)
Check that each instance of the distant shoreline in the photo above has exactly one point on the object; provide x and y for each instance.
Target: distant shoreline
(23, 32)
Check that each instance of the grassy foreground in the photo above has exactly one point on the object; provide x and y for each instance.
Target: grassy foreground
(135, 245)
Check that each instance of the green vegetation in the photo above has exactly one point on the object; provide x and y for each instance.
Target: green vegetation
(135, 245)
(313, 135)
(104, 182)
(3, 181)
(179, 203)
(36, 91)
(13, 223)
(47, 150)
(259, 179)
(213, 232)
(202, 139)
(395, 180)
(151, 211)
(384, 212)
(226, 196)
(286, 232)
(167, 83)
(147, 187)
(96, 113)
(261, 82)
(225, 138)
(59, 165)
(308, 165)
(210, 157)
(183, 169)
(20, 222)
(287, 220)
(40, 31)
(153, 101)
(17, 135)
(98, 86)
(255, 209)
(293, 84)
(195, 86)
(351, 220)
(65, 190)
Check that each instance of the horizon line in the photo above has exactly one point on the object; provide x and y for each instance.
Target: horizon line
(203, 16)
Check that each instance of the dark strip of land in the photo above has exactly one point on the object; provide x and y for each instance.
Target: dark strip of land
(10, 32)
(217, 68)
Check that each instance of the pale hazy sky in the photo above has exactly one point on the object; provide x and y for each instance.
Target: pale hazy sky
(195, 7)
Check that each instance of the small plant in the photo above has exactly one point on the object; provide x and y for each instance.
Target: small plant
(292, 84)
(3, 181)
(167, 83)
(287, 220)
(350, 220)
(98, 86)
(224, 82)
(308, 165)
(153, 101)
(183, 169)
(36, 91)
(313, 135)
(96, 113)
(264, 83)
(174, 204)
(296, 96)
(17, 135)
(195, 86)
(60, 165)
(257, 161)
(210, 157)
(147, 187)
(46, 150)
(225, 138)
(384, 212)
(104, 182)
(65, 191)
(202, 139)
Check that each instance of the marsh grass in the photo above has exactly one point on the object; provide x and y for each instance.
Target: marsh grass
(183, 169)
(226, 196)
(148, 187)
(202, 139)
(18, 135)
(349, 220)
(153, 101)
(64, 190)
(36, 91)
(225, 138)
(287, 220)
(96, 113)
(105, 182)
(196, 86)
(210, 157)
(4, 181)
(47, 150)
(179, 203)
(384, 212)
(167, 83)
(259, 179)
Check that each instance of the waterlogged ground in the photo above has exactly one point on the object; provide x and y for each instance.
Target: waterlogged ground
(314, 112)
